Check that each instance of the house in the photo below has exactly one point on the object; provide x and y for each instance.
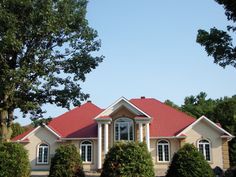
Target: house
(94, 130)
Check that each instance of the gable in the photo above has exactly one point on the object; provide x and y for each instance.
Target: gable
(122, 102)
(122, 112)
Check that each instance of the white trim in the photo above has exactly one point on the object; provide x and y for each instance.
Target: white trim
(168, 137)
(89, 138)
(46, 147)
(99, 148)
(30, 133)
(209, 121)
(163, 151)
(128, 102)
(86, 151)
(129, 121)
(44, 125)
(51, 130)
(204, 148)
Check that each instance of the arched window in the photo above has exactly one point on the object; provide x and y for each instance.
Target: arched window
(124, 129)
(43, 153)
(163, 151)
(86, 151)
(205, 148)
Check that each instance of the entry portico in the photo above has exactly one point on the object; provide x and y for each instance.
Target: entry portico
(124, 126)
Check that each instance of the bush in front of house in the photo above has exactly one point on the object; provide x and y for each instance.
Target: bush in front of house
(66, 162)
(14, 160)
(231, 172)
(189, 162)
(128, 159)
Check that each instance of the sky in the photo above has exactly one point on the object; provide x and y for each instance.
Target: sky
(150, 50)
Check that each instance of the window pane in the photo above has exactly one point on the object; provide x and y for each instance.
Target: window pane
(83, 153)
(117, 131)
(89, 153)
(131, 134)
(45, 155)
(124, 131)
(207, 150)
(160, 152)
(201, 148)
(40, 155)
(166, 150)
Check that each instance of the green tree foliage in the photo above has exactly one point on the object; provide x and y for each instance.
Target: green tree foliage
(66, 162)
(46, 49)
(219, 43)
(189, 162)
(172, 104)
(13, 160)
(17, 129)
(128, 159)
(197, 106)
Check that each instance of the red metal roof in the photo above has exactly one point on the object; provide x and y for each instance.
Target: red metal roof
(166, 121)
(80, 123)
(19, 137)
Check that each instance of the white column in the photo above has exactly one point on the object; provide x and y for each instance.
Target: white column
(106, 138)
(148, 136)
(99, 145)
(140, 132)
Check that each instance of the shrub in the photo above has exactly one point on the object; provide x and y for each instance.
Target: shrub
(128, 160)
(66, 162)
(231, 172)
(14, 160)
(188, 162)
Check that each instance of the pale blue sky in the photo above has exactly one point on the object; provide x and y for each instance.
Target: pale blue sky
(150, 50)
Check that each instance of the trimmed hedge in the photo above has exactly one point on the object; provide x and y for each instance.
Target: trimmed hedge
(128, 159)
(189, 162)
(14, 160)
(66, 162)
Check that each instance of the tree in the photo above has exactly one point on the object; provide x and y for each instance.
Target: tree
(188, 161)
(197, 106)
(14, 160)
(66, 162)
(46, 49)
(172, 104)
(219, 43)
(225, 113)
(128, 159)
(17, 129)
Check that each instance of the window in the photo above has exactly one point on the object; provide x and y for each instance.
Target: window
(43, 154)
(86, 151)
(163, 151)
(124, 129)
(204, 148)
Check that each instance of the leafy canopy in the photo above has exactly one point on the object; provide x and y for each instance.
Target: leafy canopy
(46, 49)
(219, 43)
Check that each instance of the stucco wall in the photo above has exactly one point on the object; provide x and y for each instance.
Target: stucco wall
(38, 137)
(202, 130)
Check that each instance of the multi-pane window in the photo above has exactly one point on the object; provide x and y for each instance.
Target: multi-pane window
(43, 154)
(124, 129)
(86, 151)
(204, 148)
(163, 151)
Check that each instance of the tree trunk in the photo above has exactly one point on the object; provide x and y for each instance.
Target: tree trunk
(5, 129)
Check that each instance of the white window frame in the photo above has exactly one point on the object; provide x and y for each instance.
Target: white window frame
(127, 121)
(204, 148)
(159, 143)
(43, 148)
(90, 144)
